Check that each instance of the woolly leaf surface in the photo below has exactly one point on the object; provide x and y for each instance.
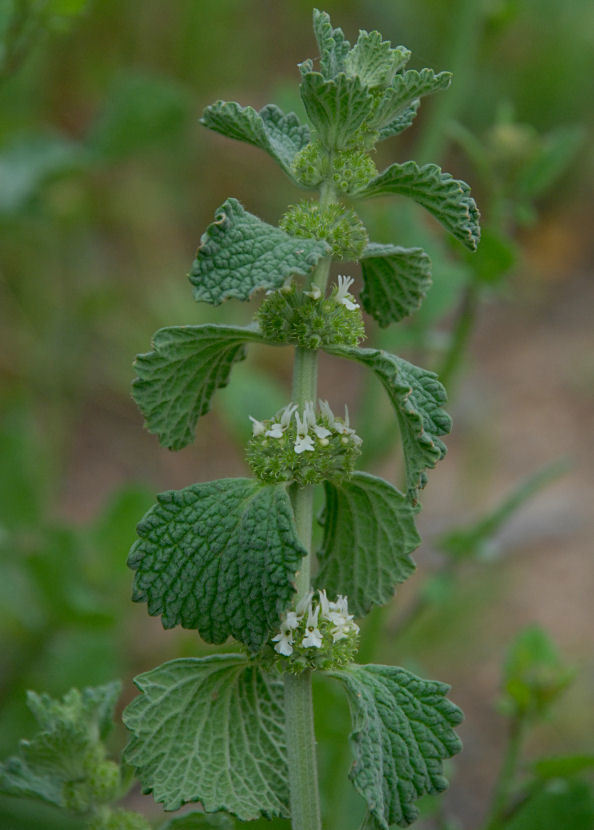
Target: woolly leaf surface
(332, 44)
(402, 732)
(446, 198)
(219, 557)
(407, 87)
(210, 729)
(417, 397)
(369, 534)
(240, 254)
(374, 61)
(337, 108)
(396, 281)
(281, 136)
(178, 378)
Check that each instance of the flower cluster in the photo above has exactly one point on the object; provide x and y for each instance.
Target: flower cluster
(311, 320)
(349, 170)
(340, 227)
(318, 634)
(305, 447)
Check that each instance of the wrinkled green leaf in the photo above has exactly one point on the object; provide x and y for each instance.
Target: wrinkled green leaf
(369, 534)
(337, 108)
(219, 557)
(402, 121)
(417, 397)
(210, 729)
(279, 135)
(407, 88)
(561, 804)
(332, 44)
(446, 198)
(396, 281)
(402, 732)
(55, 756)
(374, 61)
(240, 254)
(176, 381)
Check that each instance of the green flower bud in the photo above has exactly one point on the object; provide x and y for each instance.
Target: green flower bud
(104, 782)
(76, 796)
(311, 164)
(341, 228)
(310, 320)
(352, 170)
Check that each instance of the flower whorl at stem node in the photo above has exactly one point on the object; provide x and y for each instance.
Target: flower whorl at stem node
(318, 634)
(305, 447)
(340, 227)
(348, 170)
(310, 320)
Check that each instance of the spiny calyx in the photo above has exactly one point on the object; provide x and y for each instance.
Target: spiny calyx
(318, 634)
(340, 227)
(310, 320)
(305, 447)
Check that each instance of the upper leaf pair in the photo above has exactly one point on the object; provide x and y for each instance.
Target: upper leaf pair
(360, 94)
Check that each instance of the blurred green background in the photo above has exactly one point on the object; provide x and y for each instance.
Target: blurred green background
(107, 182)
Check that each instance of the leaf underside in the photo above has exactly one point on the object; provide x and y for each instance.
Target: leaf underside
(446, 198)
(177, 380)
(210, 729)
(219, 557)
(281, 136)
(369, 534)
(417, 397)
(240, 254)
(402, 731)
(396, 281)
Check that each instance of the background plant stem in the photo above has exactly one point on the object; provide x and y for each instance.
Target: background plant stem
(507, 774)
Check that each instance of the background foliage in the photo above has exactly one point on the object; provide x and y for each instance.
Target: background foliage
(107, 182)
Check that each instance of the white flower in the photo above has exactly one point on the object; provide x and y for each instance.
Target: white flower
(286, 414)
(284, 640)
(342, 293)
(324, 602)
(313, 635)
(275, 431)
(321, 432)
(304, 441)
(258, 427)
(315, 293)
(338, 614)
(327, 412)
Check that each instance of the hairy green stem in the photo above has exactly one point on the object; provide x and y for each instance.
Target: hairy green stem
(299, 721)
(301, 753)
(507, 774)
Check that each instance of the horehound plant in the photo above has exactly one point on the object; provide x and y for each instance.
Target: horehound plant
(234, 557)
